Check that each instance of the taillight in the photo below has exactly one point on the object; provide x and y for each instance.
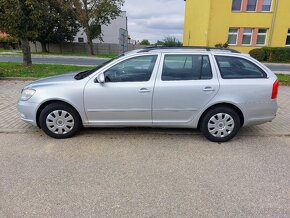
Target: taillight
(275, 89)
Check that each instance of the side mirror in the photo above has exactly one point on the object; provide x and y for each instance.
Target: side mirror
(101, 78)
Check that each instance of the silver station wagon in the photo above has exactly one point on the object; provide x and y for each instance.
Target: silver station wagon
(215, 90)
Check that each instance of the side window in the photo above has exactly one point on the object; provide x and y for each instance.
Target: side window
(186, 67)
(238, 68)
(137, 69)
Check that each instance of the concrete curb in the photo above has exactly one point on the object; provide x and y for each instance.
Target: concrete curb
(282, 72)
(275, 64)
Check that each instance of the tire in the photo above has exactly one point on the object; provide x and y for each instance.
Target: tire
(220, 124)
(60, 121)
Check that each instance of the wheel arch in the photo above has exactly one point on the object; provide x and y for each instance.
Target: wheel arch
(229, 105)
(44, 104)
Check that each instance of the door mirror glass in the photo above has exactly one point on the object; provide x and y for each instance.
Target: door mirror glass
(101, 78)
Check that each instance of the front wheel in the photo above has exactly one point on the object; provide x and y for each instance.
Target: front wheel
(59, 120)
(220, 124)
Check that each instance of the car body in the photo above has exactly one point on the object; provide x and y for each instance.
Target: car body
(158, 87)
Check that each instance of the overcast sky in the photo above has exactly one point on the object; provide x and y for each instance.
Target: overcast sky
(155, 19)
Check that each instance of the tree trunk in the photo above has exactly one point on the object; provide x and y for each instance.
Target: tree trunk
(26, 51)
(43, 47)
(91, 46)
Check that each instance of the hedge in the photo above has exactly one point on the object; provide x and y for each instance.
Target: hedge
(8, 39)
(268, 54)
(8, 42)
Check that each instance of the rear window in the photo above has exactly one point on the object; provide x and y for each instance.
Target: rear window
(186, 67)
(238, 68)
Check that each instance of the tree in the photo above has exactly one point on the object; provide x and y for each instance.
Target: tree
(172, 41)
(59, 23)
(221, 45)
(22, 19)
(145, 42)
(159, 43)
(92, 14)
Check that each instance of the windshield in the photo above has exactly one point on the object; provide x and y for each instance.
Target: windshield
(85, 74)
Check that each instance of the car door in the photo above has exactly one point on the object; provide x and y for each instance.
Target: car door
(125, 98)
(185, 85)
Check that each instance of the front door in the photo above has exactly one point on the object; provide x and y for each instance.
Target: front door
(185, 85)
(126, 96)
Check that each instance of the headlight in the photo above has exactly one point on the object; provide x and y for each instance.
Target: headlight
(27, 94)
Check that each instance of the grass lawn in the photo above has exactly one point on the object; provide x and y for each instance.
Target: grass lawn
(9, 69)
(9, 50)
(284, 78)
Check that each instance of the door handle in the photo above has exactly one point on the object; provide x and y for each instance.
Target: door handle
(144, 90)
(208, 89)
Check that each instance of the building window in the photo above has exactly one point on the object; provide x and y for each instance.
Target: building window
(80, 39)
(237, 4)
(247, 36)
(252, 5)
(233, 36)
(261, 38)
(288, 38)
(266, 5)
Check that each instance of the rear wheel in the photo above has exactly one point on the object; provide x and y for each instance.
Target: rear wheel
(59, 120)
(220, 124)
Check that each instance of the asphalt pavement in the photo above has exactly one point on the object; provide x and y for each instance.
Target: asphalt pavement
(142, 172)
(134, 174)
(88, 61)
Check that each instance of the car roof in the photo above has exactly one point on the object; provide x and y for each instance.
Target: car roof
(184, 49)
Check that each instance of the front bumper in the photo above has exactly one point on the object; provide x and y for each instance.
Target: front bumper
(28, 111)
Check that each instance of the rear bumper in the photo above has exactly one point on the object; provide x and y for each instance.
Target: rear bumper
(27, 112)
(263, 114)
(258, 121)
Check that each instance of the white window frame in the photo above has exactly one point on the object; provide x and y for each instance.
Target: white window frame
(262, 34)
(237, 34)
(255, 9)
(240, 7)
(270, 6)
(248, 34)
(288, 35)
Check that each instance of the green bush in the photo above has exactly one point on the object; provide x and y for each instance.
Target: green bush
(271, 54)
(258, 54)
(267, 51)
(221, 45)
(8, 39)
(279, 55)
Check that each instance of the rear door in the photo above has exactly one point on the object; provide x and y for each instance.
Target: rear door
(185, 85)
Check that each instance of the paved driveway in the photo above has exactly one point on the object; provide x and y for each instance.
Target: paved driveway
(142, 172)
(10, 121)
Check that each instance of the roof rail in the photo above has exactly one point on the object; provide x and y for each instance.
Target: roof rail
(152, 48)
